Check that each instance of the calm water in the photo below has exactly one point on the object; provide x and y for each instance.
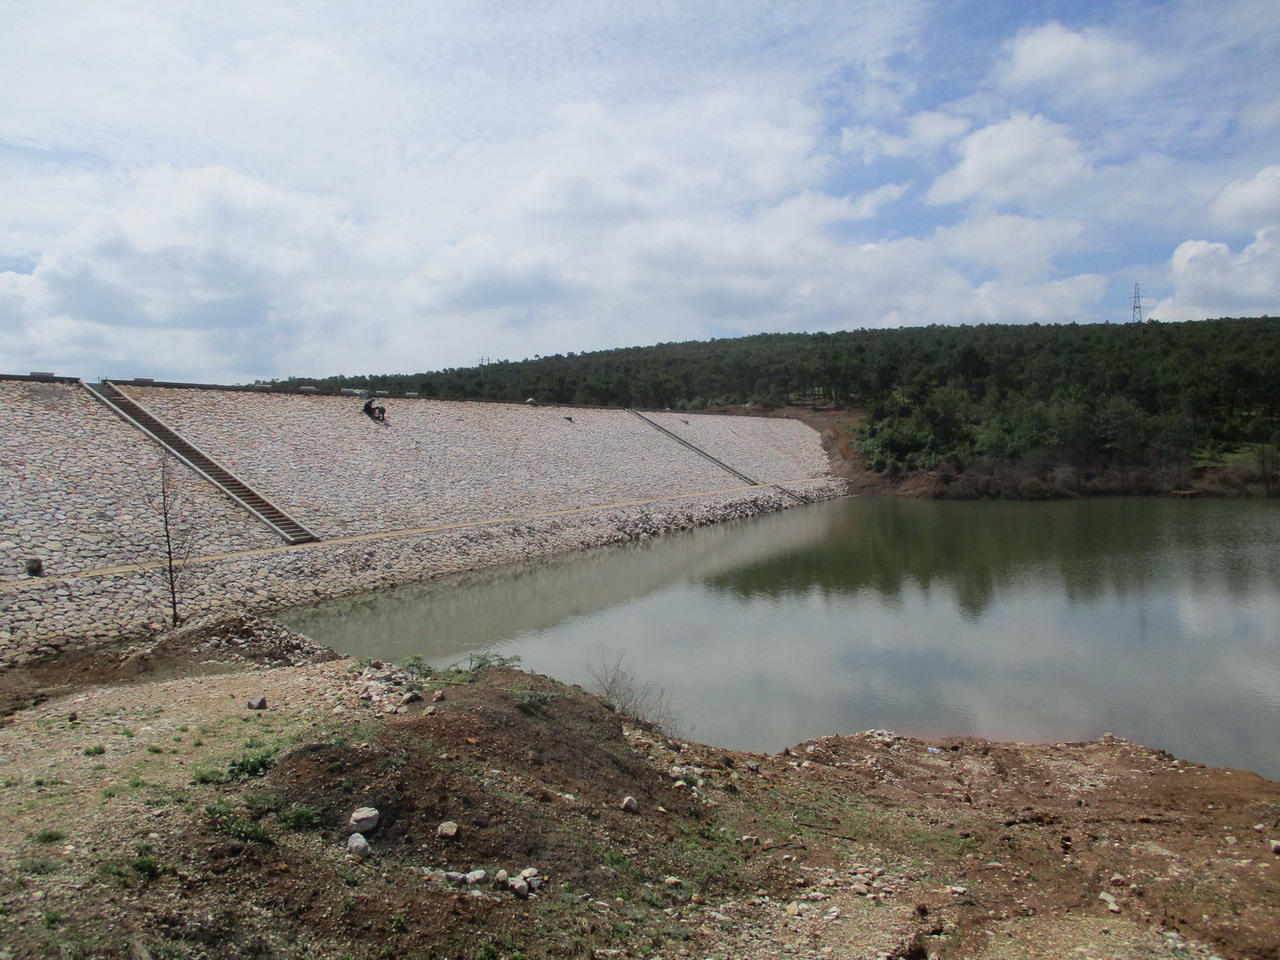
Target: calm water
(1156, 620)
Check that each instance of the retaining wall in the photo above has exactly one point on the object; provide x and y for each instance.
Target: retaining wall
(79, 487)
(444, 487)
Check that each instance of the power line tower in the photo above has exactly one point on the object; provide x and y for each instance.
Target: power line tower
(1137, 305)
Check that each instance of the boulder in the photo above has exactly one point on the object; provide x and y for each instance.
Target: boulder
(358, 846)
(364, 820)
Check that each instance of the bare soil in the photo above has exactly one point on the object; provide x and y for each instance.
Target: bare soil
(159, 816)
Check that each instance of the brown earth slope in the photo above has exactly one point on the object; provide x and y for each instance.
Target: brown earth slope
(166, 819)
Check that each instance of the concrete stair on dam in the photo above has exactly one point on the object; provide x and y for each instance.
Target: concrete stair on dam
(718, 462)
(132, 412)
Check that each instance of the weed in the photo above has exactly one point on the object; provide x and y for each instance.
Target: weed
(218, 810)
(127, 733)
(49, 836)
(39, 866)
(399, 922)
(623, 692)
(262, 802)
(248, 831)
(531, 700)
(96, 750)
(416, 665)
(246, 766)
(348, 876)
(153, 748)
(146, 867)
(113, 871)
(170, 951)
(394, 760)
(53, 919)
(477, 664)
(300, 817)
(253, 763)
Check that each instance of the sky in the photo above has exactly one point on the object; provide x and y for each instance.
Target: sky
(231, 191)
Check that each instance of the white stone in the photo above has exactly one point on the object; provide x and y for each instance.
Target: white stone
(358, 846)
(363, 819)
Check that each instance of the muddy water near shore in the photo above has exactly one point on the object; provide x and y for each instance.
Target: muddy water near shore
(1155, 620)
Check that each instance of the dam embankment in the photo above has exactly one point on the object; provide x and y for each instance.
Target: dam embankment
(440, 488)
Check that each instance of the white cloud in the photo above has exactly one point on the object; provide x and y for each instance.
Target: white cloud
(1209, 280)
(1075, 66)
(1021, 247)
(926, 132)
(1019, 159)
(1251, 203)
(235, 190)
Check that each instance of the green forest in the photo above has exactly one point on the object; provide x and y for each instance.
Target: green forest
(1086, 396)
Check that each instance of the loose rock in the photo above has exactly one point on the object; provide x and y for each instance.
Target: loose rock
(358, 846)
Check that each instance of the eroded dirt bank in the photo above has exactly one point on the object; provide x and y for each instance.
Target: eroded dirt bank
(162, 816)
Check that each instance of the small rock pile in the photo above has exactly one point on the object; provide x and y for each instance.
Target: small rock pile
(242, 638)
(386, 689)
(523, 884)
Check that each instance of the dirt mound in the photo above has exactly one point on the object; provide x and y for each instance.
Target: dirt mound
(207, 645)
(186, 818)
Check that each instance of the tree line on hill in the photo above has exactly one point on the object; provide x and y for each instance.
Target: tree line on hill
(1115, 398)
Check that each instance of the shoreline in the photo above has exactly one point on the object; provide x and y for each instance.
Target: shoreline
(74, 612)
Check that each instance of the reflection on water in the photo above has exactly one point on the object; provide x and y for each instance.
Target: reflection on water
(1157, 620)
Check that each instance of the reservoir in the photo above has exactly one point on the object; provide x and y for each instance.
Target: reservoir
(1156, 620)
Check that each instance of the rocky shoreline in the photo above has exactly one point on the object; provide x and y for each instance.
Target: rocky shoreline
(43, 616)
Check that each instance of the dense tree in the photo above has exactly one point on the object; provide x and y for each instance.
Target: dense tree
(1085, 396)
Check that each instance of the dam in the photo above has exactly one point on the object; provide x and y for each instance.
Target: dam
(285, 498)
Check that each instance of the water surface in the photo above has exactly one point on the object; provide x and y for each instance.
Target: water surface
(1156, 620)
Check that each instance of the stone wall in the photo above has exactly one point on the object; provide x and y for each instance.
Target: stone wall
(40, 616)
(79, 487)
(443, 487)
(436, 462)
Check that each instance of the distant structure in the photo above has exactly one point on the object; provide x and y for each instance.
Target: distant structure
(1137, 305)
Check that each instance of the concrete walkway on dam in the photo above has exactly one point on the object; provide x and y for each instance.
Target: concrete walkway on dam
(80, 485)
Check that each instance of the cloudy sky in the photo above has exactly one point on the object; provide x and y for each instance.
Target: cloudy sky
(231, 190)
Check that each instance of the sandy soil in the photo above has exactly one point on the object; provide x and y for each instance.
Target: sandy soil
(150, 813)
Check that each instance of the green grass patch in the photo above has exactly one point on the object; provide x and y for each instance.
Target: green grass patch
(39, 866)
(300, 817)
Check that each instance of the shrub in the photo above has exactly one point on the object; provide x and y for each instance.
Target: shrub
(146, 867)
(300, 817)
